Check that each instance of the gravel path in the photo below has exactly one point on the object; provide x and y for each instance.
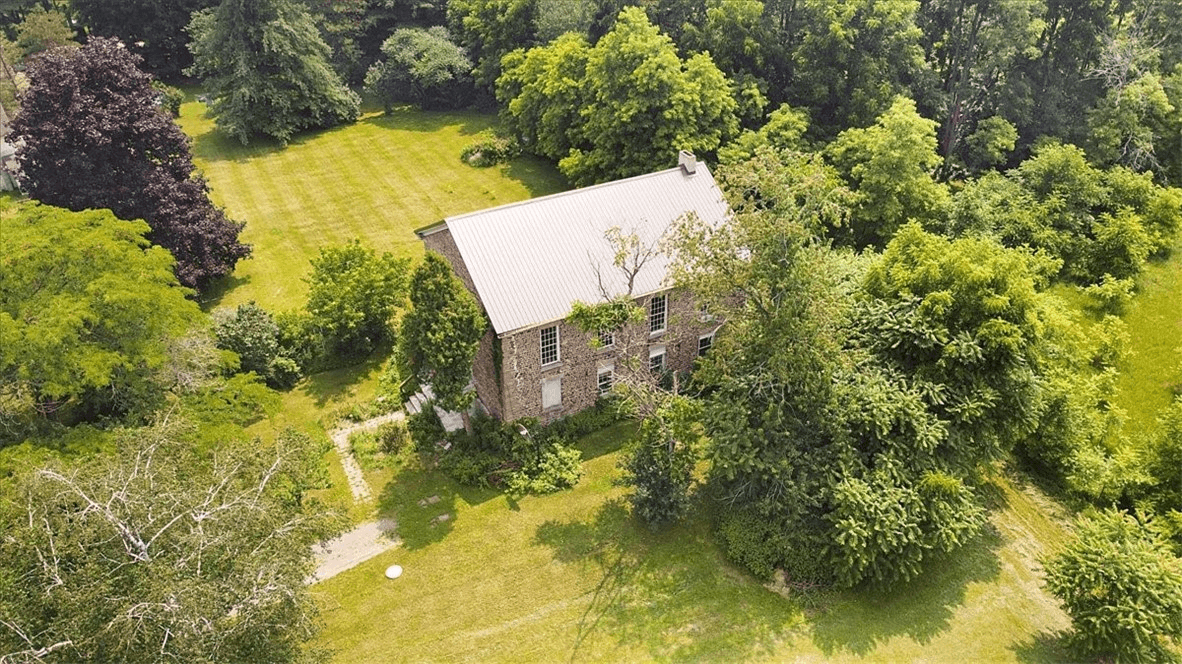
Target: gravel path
(340, 438)
(353, 548)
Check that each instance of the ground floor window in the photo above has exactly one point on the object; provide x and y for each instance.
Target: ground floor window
(606, 377)
(704, 343)
(552, 392)
(656, 358)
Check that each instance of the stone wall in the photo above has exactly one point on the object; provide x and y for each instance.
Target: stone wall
(522, 375)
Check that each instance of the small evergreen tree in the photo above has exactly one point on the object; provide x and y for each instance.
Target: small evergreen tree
(1121, 587)
(441, 332)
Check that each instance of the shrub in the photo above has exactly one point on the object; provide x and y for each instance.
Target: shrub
(1121, 587)
(1111, 295)
(425, 430)
(283, 373)
(490, 150)
(553, 467)
(169, 98)
(750, 541)
(583, 423)
(496, 455)
(365, 449)
(250, 332)
(392, 436)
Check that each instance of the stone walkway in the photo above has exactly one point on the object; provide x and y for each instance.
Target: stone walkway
(368, 539)
(340, 438)
(353, 548)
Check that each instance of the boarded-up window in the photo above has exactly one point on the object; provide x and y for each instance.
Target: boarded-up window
(552, 392)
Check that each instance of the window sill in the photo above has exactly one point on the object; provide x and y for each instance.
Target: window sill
(658, 333)
(552, 366)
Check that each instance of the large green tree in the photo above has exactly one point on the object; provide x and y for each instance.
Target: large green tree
(1095, 221)
(352, 295)
(422, 67)
(489, 29)
(638, 102)
(852, 398)
(853, 57)
(441, 332)
(87, 312)
(267, 69)
(890, 165)
(972, 46)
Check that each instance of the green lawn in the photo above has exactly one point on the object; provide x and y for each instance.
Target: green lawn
(376, 180)
(1154, 369)
(571, 577)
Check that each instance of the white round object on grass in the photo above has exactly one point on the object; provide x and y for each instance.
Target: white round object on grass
(393, 571)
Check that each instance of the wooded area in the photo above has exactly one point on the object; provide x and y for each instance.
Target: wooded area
(942, 210)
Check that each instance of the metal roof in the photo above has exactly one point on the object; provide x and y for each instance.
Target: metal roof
(530, 261)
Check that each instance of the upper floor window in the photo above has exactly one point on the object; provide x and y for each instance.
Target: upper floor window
(606, 339)
(657, 309)
(549, 339)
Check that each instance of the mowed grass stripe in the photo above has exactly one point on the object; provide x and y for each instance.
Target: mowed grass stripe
(376, 180)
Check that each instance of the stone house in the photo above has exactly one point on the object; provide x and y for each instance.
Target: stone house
(528, 262)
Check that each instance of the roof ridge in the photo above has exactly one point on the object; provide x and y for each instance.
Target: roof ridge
(560, 194)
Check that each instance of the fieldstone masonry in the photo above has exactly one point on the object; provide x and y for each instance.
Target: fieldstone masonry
(516, 390)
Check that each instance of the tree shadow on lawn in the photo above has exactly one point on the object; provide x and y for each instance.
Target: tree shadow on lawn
(670, 590)
(419, 524)
(219, 288)
(216, 145)
(408, 118)
(1045, 648)
(539, 176)
(859, 620)
(334, 387)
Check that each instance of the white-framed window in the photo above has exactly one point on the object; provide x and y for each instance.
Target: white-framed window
(656, 358)
(704, 343)
(605, 378)
(549, 341)
(704, 315)
(657, 313)
(606, 339)
(552, 393)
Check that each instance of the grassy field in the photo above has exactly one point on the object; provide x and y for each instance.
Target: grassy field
(571, 577)
(376, 180)
(1154, 369)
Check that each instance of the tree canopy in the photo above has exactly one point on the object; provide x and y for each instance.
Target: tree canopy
(352, 294)
(87, 312)
(422, 67)
(155, 30)
(156, 550)
(637, 102)
(95, 137)
(267, 70)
